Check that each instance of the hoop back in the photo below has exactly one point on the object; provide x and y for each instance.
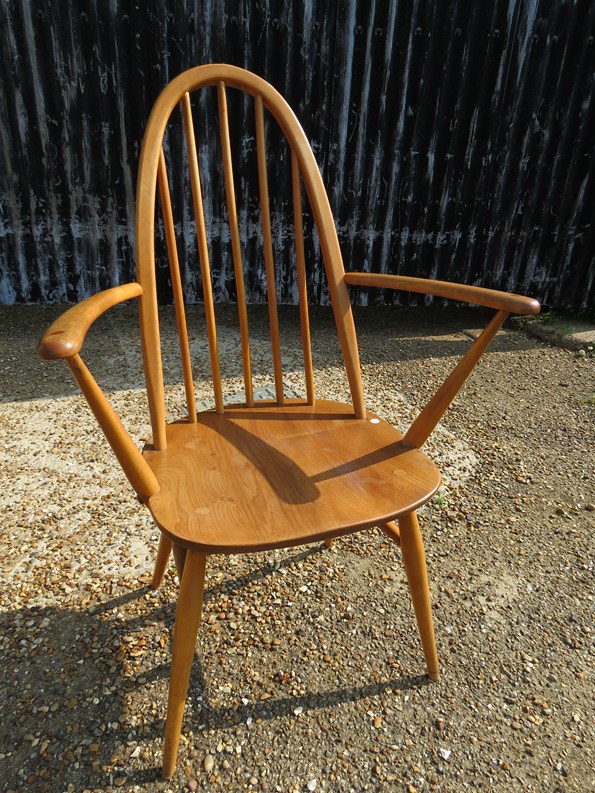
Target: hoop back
(153, 177)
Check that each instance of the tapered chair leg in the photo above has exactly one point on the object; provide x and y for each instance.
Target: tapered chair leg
(180, 559)
(414, 559)
(391, 530)
(163, 552)
(188, 614)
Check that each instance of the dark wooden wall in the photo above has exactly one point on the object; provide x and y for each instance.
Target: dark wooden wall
(455, 137)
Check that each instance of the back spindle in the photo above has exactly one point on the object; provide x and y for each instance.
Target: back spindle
(268, 249)
(176, 282)
(296, 183)
(203, 252)
(235, 241)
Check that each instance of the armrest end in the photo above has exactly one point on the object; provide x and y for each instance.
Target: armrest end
(54, 345)
(64, 338)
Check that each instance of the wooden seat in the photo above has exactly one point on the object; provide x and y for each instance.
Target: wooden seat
(270, 476)
(270, 473)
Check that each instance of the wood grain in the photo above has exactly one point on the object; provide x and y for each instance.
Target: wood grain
(414, 559)
(225, 76)
(188, 614)
(236, 247)
(203, 252)
(300, 262)
(268, 476)
(279, 473)
(163, 554)
(424, 424)
(176, 284)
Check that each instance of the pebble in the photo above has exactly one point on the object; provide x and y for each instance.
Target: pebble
(77, 617)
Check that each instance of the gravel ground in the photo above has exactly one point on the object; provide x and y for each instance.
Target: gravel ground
(309, 672)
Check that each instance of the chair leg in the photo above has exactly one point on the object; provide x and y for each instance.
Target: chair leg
(165, 545)
(188, 613)
(414, 559)
(180, 559)
(392, 531)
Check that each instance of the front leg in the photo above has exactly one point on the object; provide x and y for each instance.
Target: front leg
(414, 559)
(188, 613)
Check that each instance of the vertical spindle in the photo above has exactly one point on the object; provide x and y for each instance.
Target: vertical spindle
(235, 241)
(267, 239)
(203, 252)
(296, 184)
(176, 283)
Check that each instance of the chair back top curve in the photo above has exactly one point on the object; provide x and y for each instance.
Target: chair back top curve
(153, 178)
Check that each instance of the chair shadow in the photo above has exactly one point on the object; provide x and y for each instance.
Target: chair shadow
(291, 483)
(68, 684)
(208, 717)
(285, 706)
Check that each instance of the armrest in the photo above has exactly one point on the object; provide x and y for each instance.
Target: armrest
(491, 298)
(504, 303)
(64, 338)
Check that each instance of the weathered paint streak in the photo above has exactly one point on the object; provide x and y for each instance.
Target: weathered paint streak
(456, 140)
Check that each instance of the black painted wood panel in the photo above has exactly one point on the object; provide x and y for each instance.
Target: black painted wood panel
(455, 138)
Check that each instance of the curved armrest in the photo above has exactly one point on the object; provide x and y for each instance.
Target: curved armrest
(504, 303)
(64, 338)
(491, 298)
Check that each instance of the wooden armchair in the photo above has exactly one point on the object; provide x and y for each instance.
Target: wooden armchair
(272, 473)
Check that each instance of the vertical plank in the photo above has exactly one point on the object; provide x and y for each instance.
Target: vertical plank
(269, 264)
(203, 252)
(176, 282)
(296, 184)
(507, 190)
(235, 241)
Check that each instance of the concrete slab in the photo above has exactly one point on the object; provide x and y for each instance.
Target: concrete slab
(570, 333)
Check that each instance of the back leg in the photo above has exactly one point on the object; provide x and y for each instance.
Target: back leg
(180, 559)
(392, 531)
(163, 552)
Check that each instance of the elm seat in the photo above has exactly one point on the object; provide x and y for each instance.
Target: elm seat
(270, 476)
(266, 474)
